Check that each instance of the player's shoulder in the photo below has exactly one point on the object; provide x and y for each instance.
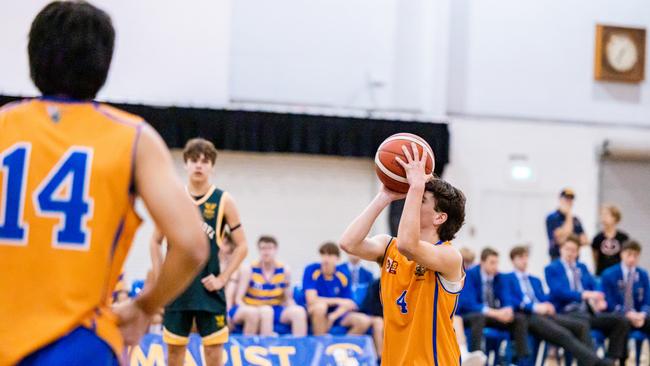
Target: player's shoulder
(15, 107)
(118, 115)
(313, 271)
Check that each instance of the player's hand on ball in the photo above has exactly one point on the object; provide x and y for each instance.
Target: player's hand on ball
(213, 283)
(414, 166)
(391, 195)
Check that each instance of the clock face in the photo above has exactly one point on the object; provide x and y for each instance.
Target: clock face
(621, 52)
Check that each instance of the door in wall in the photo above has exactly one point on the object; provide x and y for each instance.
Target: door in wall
(509, 218)
(626, 184)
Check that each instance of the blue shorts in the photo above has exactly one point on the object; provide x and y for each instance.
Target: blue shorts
(277, 312)
(78, 348)
(337, 322)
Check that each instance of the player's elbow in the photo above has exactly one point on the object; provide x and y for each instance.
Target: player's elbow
(406, 247)
(346, 245)
(194, 247)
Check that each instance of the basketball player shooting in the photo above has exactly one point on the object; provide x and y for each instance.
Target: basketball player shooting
(422, 272)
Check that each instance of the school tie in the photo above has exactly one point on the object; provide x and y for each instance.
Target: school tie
(628, 303)
(488, 292)
(355, 277)
(577, 283)
(529, 289)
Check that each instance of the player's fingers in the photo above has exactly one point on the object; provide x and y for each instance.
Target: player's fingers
(407, 153)
(416, 152)
(400, 162)
(425, 154)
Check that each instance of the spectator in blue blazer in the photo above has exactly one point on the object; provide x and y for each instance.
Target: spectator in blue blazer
(528, 298)
(484, 301)
(359, 276)
(627, 289)
(573, 292)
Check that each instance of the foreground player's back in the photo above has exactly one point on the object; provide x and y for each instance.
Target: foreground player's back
(67, 218)
(418, 310)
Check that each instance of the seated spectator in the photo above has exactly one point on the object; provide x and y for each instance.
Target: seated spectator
(329, 295)
(606, 245)
(528, 298)
(360, 277)
(475, 358)
(468, 257)
(484, 301)
(264, 294)
(627, 289)
(573, 292)
(371, 306)
(561, 223)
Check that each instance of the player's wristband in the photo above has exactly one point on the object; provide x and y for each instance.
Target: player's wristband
(235, 227)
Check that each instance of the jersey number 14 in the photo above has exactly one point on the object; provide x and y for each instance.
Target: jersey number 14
(62, 195)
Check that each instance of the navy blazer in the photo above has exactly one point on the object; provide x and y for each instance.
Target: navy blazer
(517, 293)
(613, 285)
(471, 297)
(561, 293)
(365, 276)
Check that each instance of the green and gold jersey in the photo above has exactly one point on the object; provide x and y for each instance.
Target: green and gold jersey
(196, 296)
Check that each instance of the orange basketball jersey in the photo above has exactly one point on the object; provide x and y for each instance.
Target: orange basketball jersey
(418, 312)
(66, 220)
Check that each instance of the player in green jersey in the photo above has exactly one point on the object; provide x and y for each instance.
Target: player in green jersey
(203, 304)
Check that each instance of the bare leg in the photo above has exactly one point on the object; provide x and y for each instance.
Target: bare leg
(378, 333)
(213, 355)
(357, 322)
(297, 317)
(176, 355)
(250, 317)
(318, 315)
(266, 320)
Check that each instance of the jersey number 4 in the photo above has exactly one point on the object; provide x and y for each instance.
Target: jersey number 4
(401, 302)
(63, 195)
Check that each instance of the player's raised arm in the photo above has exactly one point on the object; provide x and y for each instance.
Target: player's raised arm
(355, 238)
(176, 218)
(441, 222)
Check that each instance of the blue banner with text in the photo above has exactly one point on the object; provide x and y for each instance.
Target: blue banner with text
(266, 351)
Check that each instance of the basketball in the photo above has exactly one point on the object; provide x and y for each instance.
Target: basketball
(390, 173)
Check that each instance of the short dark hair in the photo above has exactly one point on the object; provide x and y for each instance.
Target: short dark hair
(518, 251)
(488, 252)
(197, 146)
(632, 245)
(573, 238)
(70, 49)
(267, 239)
(451, 201)
(329, 248)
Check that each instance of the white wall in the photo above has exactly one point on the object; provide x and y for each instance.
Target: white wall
(166, 52)
(303, 200)
(502, 212)
(330, 52)
(534, 59)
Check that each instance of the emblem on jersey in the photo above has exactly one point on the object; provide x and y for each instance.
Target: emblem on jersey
(221, 321)
(209, 210)
(391, 266)
(420, 270)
